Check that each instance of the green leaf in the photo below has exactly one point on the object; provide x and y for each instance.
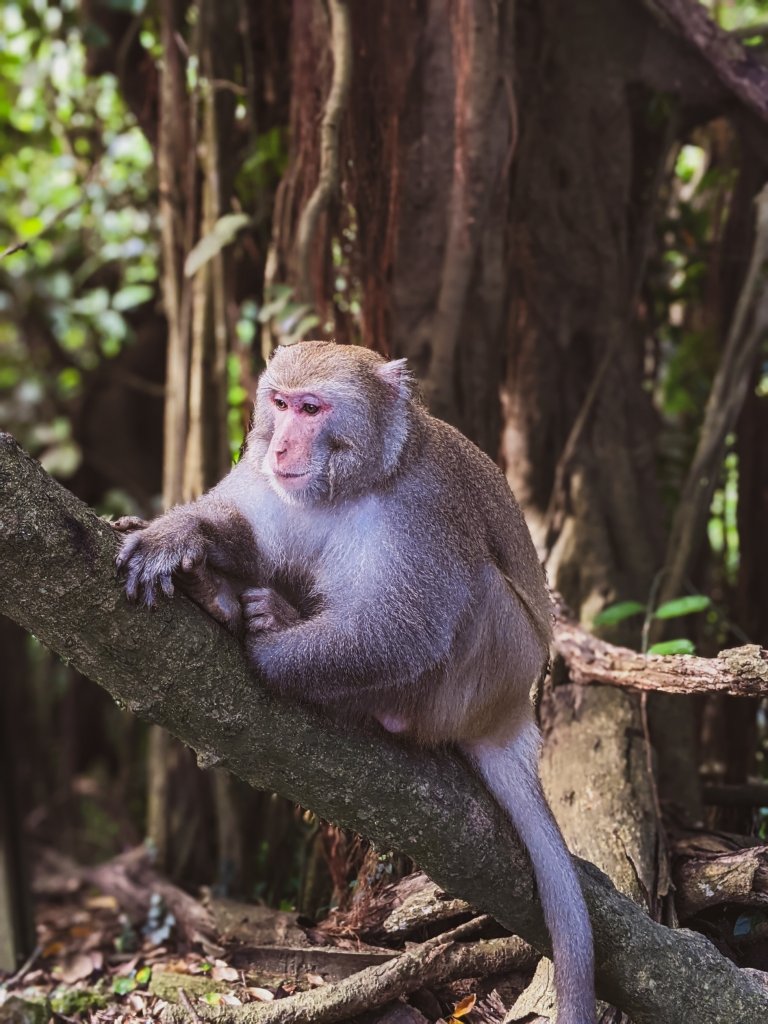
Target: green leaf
(122, 986)
(681, 646)
(143, 975)
(682, 606)
(224, 232)
(618, 612)
(132, 295)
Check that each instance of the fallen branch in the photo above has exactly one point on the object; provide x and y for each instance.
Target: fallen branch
(740, 671)
(438, 961)
(176, 667)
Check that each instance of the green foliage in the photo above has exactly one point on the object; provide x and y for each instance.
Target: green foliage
(723, 528)
(289, 319)
(261, 170)
(76, 188)
(67, 1001)
(739, 14)
(684, 300)
(682, 606)
(616, 613)
(691, 604)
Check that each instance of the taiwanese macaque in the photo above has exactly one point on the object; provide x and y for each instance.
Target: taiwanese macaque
(375, 562)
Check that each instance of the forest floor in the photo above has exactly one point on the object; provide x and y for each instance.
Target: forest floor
(117, 954)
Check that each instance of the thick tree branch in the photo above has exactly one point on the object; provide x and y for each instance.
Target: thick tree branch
(178, 668)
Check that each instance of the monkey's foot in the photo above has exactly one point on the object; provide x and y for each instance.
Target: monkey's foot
(265, 610)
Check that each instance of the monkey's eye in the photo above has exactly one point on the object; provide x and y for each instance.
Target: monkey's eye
(310, 409)
(280, 403)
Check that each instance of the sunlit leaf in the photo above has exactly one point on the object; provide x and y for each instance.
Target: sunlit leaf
(122, 986)
(301, 328)
(681, 646)
(682, 606)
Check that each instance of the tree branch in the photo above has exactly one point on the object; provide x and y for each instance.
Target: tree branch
(176, 667)
(737, 67)
(740, 671)
(437, 961)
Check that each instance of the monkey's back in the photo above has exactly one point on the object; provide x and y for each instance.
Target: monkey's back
(457, 511)
(485, 515)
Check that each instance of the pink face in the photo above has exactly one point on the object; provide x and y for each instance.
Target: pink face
(299, 417)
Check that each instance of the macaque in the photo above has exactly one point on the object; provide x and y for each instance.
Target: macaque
(374, 562)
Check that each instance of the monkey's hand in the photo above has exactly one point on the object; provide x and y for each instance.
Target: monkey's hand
(265, 611)
(150, 556)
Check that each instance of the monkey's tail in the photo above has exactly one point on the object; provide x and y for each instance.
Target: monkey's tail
(510, 772)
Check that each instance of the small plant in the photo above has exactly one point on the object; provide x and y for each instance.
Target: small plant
(674, 609)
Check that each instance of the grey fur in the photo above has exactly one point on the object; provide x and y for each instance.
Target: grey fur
(395, 580)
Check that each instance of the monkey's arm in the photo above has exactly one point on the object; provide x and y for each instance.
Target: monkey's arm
(340, 652)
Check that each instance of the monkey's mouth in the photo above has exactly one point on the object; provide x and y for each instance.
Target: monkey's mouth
(282, 475)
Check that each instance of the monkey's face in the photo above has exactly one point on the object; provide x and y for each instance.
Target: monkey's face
(295, 456)
(328, 421)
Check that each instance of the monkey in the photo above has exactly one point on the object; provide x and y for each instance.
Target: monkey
(375, 562)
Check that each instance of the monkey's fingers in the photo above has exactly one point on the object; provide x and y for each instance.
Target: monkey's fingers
(142, 579)
(132, 579)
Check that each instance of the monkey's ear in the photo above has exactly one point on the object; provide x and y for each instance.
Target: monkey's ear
(397, 376)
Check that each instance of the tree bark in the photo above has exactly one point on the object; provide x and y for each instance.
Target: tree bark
(59, 583)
